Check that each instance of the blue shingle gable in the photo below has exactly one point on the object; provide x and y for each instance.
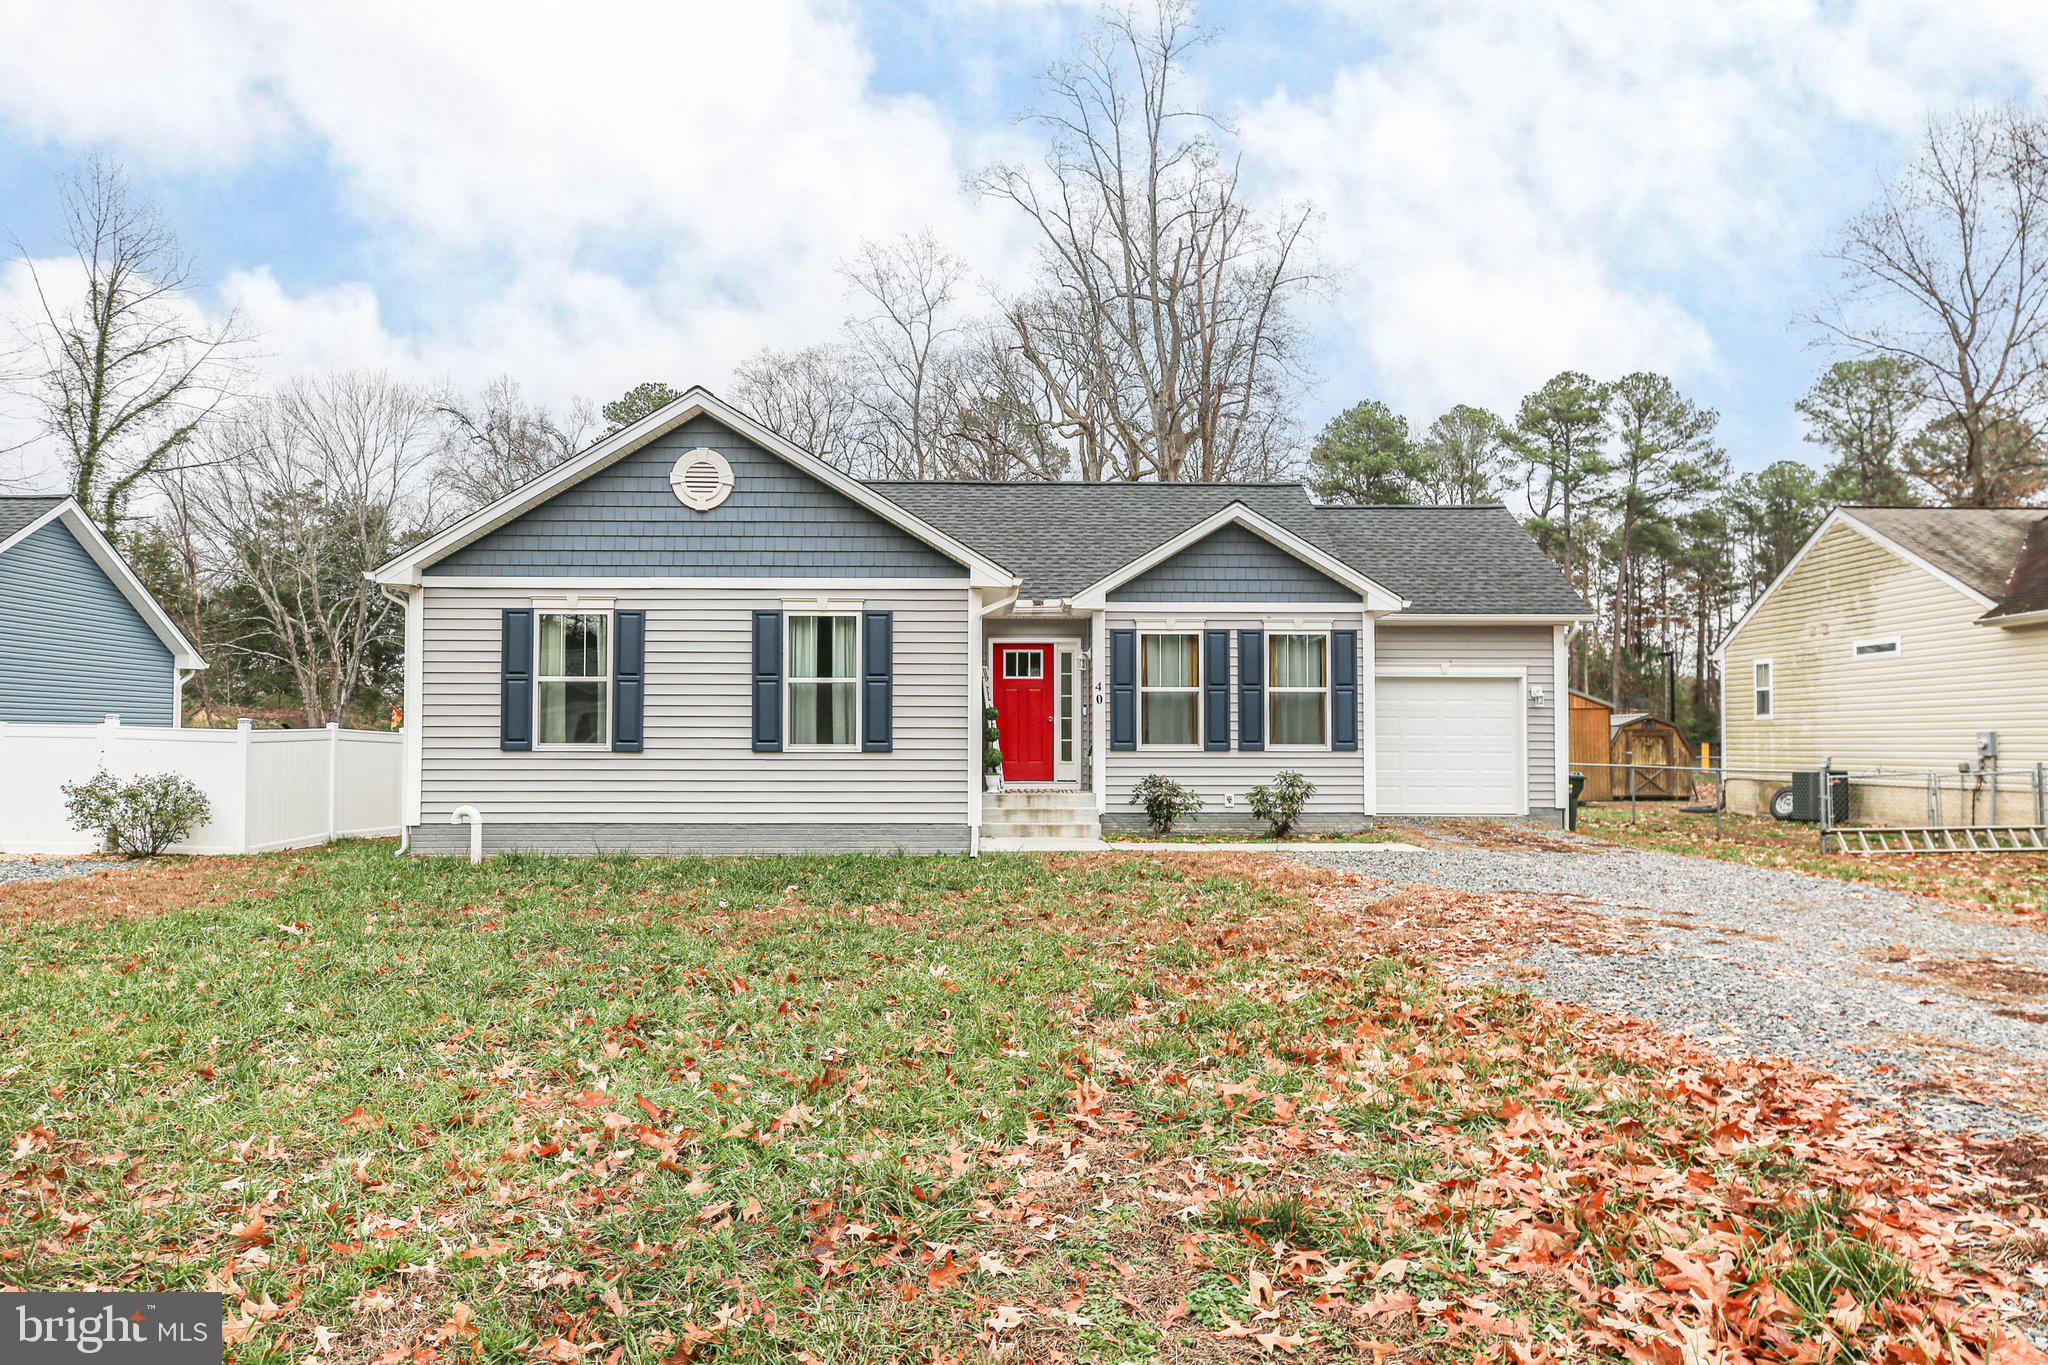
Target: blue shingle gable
(76, 650)
(625, 521)
(1233, 564)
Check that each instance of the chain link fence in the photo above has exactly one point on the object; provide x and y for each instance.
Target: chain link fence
(1976, 798)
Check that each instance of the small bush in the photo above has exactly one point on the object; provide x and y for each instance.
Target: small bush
(992, 750)
(1281, 802)
(141, 818)
(1165, 801)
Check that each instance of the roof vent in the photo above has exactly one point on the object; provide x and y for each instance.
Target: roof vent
(702, 479)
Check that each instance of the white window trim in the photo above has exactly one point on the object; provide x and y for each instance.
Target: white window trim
(1010, 649)
(557, 608)
(1201, 717)
(1067, 652)
(790, 679)
(1770, 689)
(1856, 654)
(1273, 691)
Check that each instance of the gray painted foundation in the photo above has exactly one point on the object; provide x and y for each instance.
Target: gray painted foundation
(1234, 822)
(691, 840)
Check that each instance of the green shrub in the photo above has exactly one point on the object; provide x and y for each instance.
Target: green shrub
(1165, 801)
(992, 751)
(1281, 802)
(140, 818)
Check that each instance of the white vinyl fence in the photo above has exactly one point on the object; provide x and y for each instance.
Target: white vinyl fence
(269, 788)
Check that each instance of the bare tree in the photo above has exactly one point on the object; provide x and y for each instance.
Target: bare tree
(1002, 422)
(1949, 271)
(904, 336)
(497, 441)
(1162, 323)
(813, 398)
(126, 373)
(311, 488)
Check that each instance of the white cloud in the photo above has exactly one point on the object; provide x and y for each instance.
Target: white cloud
(640, 189)
(1514, 189)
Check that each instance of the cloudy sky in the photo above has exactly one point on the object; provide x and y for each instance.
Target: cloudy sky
(586, 196)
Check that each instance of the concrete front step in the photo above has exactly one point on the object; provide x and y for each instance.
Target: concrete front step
(1039, 801)
(1040, 829)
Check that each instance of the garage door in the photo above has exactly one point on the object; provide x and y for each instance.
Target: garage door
(1450, 746)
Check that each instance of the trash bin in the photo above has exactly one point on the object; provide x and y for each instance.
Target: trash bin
(1571, 810)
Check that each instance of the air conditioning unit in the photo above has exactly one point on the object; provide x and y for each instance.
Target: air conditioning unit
(1806, 797)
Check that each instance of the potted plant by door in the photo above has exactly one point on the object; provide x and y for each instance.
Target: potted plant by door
(991, 751)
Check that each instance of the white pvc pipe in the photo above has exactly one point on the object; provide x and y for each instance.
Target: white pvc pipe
(476, 829)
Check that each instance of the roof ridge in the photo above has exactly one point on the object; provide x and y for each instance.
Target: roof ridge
(1411, 507)
(1080, 483)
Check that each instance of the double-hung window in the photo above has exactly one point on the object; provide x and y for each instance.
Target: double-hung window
(572, 686)
(1298, 690)
(824, 681)
(1170, 690)
(1760, 683)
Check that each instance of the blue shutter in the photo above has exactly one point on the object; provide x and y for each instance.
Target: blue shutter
(1215, 689)
(878, 682)
(1251, 688)
(1123, 689)
(1344, 690)
(767, 682)
(629, 681)
(515, 678)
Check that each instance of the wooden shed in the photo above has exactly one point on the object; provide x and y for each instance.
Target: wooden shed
(1604, 742)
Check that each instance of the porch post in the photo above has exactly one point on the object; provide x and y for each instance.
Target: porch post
(1368, 720)
(975, 726)
(1098, 710)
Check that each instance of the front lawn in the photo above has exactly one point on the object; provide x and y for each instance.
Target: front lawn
(2008, 882)
(1110, 1108)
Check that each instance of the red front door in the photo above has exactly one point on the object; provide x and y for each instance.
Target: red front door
(1023, 690)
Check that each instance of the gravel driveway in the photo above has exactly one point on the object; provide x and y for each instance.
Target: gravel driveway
(1910, 1000)
(49, 869)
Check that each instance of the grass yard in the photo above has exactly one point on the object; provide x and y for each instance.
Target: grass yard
(2009, 882)
(1111, 1108)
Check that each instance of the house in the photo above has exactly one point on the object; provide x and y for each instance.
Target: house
(696, 637)
(1894, 638)
(85, 640)
(1607, 743)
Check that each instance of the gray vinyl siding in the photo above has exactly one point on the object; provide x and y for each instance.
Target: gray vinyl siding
(1530, 647)
(625, 522)
(1232, 564)
(698, 767)
(75, 651)
(1339, 777)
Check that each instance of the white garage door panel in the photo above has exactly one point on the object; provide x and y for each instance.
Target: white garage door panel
(1450, 746)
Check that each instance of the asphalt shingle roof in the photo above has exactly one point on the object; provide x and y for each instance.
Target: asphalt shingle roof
(2002, 552)
(1062, 537)
(18, 510)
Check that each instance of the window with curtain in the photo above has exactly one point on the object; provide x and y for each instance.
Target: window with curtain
(572, 685)
(1170, 689)
(1298, 689)
(824, 671)
(1761, 676)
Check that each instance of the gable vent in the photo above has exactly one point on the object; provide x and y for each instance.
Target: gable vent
(702, 479)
